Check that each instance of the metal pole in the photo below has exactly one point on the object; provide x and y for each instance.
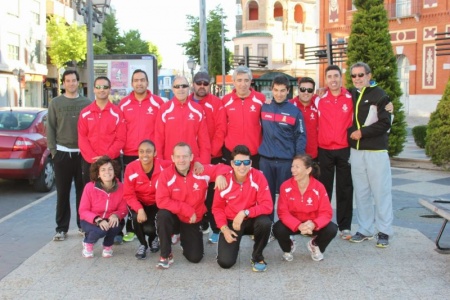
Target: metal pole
(223, 57)
(203, 39)
(90, 53)
(20, 87)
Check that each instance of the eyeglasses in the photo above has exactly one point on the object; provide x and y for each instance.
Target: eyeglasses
(246, 162)
(181, 86)
(102, 87)
(360, 75)
(204, 83)
(303, 89)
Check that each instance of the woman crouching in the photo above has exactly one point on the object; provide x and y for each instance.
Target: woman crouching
(102, 207)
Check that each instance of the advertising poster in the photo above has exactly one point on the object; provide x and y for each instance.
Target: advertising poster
(119, 74)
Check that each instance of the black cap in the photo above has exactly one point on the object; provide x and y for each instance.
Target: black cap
(201, 76)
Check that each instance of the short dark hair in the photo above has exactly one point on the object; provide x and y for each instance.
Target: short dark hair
(309, 163)
(281, 79)
(102, 78)
(240, 149)
(305, 80)
(69, 72)
(333, 67)
(95, 167)
(146, 141)
(139, 71)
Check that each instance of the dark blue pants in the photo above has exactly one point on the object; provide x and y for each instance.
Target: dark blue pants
(93, 233)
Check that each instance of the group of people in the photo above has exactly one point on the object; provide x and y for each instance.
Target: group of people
(198, 163)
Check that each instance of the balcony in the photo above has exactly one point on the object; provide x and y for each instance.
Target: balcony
(404, 9)
(59, 9)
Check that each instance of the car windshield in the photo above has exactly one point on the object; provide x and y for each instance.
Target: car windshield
(15, 120)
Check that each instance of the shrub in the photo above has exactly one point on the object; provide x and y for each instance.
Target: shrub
(420, 133)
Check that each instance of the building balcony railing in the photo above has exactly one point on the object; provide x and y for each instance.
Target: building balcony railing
(404, 9)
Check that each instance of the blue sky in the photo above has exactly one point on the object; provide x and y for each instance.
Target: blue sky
(164, 23)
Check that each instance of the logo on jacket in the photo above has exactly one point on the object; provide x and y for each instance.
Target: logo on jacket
(312, 116)
(196, 187)
(309, 202)
(150, 110)
(345, 108)
(284, 119)
(253, 108)
(191, 116)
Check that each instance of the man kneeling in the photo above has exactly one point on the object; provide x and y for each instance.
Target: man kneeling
(243, 208)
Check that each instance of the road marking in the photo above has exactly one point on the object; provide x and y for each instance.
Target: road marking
(13, 214)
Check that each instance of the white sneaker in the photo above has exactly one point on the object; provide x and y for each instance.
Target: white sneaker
(175, 239)
(88, 250)
(288, 256)
(316, 255)
(107, 251)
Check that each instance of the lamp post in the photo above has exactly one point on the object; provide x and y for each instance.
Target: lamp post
(19, 73)
(191, 65)
(93, 11)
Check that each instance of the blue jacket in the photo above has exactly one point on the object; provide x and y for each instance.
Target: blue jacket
(283, 130)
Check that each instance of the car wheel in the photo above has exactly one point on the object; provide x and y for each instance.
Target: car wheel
(46, 180)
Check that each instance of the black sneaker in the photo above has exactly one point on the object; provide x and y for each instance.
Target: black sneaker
(154, 245)
(382, 240)
(359, 237)
(141, 253)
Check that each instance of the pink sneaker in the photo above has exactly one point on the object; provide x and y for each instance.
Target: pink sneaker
(107, 251)
(88, 250)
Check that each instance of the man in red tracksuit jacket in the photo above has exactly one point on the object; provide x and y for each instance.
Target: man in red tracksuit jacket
(216, 121)
(180, 197)
(101, 129)
(182, 120)
(305, 103)
(243, 109)
(243, 208)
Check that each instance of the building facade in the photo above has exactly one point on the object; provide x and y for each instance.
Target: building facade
(413, 25)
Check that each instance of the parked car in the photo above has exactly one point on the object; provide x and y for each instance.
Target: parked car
(23, 147)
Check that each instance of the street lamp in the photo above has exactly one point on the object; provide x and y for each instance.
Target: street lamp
(191, 65)
(19, 73)
(92, 11)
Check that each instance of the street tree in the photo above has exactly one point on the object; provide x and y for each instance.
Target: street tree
(111, 35)
(370, 42)
(214, 37)
(67, 43)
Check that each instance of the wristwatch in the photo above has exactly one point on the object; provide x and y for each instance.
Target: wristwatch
(246, 212)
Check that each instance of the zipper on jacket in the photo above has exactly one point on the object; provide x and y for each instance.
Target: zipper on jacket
(358, 126)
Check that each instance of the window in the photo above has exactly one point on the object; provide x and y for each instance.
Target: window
(37, 52)
(402, 8)
(263, 50)
(350, 5)
(253, 11)
(35, 9)
(249, 46)
(278, 12)
(13, 46)
(298, 14)
(13, 7)
(300, 50)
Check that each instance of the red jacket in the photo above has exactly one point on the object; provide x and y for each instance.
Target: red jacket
(101, 132)
(95, 202)
(182, 122)
(311, 118)
(140, 120)
(253, 194)
(335, 117)
(216, 120)
(294, 208)
(139, 190)
(243, 120)
(185, 196)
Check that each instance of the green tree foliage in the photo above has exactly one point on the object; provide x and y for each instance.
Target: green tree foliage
(153, 49)
(437, 144)
(111, 35)
(214, 37)
(370, 42)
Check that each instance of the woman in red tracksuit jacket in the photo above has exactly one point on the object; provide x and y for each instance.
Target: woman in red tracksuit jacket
(139, 191)
(304, 208)
(102, 207)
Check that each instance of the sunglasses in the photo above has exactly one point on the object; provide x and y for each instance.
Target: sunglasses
(360, 75)
(302, 89)
(181, 86)
(102, 87)
(204, 83)
(246, 162)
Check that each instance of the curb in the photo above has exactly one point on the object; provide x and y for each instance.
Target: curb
(410, 163)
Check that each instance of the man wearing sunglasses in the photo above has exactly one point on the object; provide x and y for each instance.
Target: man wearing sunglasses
(368, 138)
(283, 136)
(305, 103)
(243, 208)
(182, 120)
(101, 128)
(216, 120)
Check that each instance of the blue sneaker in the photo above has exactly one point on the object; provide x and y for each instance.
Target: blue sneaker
(259, 266)
(118, 240)
(214, 238)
